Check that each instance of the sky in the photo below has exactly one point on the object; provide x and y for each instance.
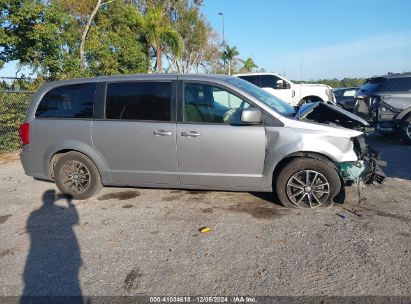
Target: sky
(332, 38)
(327, 38)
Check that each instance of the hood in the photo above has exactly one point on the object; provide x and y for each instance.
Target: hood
(321, 112)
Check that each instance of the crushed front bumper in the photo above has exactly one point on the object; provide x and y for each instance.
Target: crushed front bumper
(366, 169)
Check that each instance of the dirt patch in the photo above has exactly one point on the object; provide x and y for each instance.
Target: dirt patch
(131, 282)
(124, 195)
(9, 157)
(173, 198)
(196, 192)
(128, 206)
(4, 218)
(257, 211)
(6, 252)
(389, 215)
(207, 210)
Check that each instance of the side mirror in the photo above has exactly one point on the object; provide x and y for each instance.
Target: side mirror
(251, 116)
(279, 84)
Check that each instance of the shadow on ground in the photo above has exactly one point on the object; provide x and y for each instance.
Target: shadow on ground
(394, 152)
(54, 259)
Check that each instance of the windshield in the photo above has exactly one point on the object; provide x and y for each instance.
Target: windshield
(273, 102)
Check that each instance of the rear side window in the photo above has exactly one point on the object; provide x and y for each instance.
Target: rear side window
(70, 101)
(139, 101)
(397, 85)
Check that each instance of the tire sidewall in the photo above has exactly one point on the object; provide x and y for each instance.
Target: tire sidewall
(95, 180)
(306, 163)
(405, 123)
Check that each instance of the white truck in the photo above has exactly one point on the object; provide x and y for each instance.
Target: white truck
(292, 93)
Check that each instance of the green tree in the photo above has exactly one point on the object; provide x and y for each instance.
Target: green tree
(230, 54)
(196, 32)
(249, 65)
(160, 34)
(47, 37)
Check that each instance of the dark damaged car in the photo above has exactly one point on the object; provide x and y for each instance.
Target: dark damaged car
(385, 102)
(194, 132)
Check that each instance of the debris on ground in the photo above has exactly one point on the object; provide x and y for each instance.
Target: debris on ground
(204, 229)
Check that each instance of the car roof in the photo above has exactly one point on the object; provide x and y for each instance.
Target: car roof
(159, 76)
(257, 74)
(393, 75)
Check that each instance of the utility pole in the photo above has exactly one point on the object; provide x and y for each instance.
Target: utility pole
(222, 15)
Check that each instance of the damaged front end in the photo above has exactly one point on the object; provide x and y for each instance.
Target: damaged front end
(366, 169)
(320, 112)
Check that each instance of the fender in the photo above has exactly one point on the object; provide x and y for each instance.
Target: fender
(333, 150)
(74, 145)
(404, 113)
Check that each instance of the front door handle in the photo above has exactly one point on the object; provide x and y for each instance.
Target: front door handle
(190, 134)
(161, 133)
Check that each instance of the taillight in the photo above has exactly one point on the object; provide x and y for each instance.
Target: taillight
(24, 133)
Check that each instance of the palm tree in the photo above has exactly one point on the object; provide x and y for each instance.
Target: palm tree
(160, 34)
(249, 65)
(229, 55)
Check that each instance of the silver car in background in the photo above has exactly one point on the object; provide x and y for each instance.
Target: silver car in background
(193, 132)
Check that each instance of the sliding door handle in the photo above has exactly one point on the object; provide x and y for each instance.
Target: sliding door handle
(190, 134)
(161, 133)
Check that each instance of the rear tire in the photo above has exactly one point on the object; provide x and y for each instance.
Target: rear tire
(406, 129)
(307, 183)
(76, 175)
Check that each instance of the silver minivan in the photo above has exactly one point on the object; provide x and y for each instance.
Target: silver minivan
(193, 132)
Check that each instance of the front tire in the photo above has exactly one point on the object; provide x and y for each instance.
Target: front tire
(76, 175)
(406, 129)
(307, 183)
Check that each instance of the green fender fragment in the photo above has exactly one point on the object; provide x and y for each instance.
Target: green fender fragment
(351, 171)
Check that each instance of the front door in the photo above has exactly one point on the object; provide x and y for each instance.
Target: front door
(214, 149)
(138, 137)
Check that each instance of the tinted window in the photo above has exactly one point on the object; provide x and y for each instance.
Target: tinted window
(71, 101)
(273, 102)
(139, 101)
(397, 85)
(338, 93)
(254, 79)
(372, 85)
(206, 103)
(269, 81)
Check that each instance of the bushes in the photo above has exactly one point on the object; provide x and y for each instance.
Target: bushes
(13, 106)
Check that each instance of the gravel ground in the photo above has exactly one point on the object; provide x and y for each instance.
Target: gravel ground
(147, 242)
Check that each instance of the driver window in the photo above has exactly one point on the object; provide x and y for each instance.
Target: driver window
(211, 104)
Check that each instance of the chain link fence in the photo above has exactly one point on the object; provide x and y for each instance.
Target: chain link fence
(13, 106)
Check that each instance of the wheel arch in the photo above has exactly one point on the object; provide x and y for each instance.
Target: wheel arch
(404, 113)
(302, 154)
(53, 153)
(312, 97)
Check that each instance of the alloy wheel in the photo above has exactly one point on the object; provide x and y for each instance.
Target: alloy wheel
(76, 176)
(308, 189)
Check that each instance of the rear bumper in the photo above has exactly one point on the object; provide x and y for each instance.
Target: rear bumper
(33, 164)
